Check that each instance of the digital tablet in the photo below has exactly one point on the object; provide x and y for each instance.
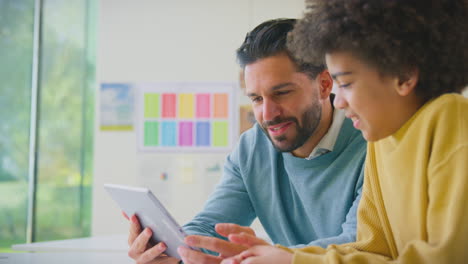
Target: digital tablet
(151, 213)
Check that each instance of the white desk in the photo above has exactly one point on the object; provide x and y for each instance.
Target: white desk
(112, 243)
(65, 257)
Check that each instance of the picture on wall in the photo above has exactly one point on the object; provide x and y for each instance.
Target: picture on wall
(116, 107)
(185, 116)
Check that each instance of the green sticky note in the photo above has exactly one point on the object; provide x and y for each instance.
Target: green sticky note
(151, 133)
(220, 133)
(151, 105)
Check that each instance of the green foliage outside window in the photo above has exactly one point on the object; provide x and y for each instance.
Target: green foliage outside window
(65, 119)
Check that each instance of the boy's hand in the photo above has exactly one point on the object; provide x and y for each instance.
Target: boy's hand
(224, 248)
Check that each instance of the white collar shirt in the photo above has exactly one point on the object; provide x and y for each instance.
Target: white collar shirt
(327, 143)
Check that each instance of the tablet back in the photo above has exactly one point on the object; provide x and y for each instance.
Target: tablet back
(151, 213)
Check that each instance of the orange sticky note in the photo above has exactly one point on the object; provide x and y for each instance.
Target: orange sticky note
(220, 105)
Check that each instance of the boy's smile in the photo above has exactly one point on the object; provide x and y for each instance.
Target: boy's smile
(378, 105)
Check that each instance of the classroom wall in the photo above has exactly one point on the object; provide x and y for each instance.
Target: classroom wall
(156, 40)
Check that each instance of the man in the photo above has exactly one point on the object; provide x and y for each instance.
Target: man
(299, 169)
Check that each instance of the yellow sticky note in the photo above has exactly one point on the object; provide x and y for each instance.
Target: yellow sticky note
(186, 105)
(186, 175)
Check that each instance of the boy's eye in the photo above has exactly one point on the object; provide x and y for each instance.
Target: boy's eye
(344, 85)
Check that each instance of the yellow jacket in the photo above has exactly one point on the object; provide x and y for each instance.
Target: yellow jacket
(414, 206)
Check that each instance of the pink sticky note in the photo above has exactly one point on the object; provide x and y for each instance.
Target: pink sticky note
(168, 105)
(203, 105)
(185, 134)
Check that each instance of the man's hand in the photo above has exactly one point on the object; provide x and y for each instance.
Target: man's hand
(141, 250)
(225, 229)
(224, 248)
(247, 240)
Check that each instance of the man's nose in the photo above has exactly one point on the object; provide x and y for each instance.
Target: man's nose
(270, 110)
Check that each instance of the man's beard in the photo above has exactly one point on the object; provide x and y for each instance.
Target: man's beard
(310, 121)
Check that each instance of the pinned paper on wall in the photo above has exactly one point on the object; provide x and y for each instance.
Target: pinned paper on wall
(116, 107)
(186, 116)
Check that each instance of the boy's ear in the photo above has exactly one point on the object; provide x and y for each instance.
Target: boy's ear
(407, 84)
(325, 82)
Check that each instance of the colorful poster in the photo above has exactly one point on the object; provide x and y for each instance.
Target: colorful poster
(116, 107)
(186, 116)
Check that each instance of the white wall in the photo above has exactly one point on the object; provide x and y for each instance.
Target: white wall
(156, 40)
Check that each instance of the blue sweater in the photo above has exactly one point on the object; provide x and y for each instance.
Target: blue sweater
(299, 202)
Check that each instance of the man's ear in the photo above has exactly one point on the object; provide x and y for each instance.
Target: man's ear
(407, 83)
(325, 83)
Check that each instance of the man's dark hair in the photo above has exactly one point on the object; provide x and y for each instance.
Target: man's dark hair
(269, 39)
(394, 36)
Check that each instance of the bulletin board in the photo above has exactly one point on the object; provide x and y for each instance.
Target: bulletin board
(186, 116)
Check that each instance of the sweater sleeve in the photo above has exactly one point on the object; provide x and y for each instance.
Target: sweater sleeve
(229, 203)
(446, 224)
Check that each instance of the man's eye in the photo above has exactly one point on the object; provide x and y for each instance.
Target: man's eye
(256, 99)
(345, 85)
(282, 92)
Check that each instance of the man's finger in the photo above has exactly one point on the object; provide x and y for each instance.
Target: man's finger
(125, 215)
(246, 240)
(225, 229)
(140, 244)
(152, 253)
(190, 256)
(224, 248)
(135, 229)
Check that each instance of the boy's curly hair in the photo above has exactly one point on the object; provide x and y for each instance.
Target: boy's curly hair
(394, 36)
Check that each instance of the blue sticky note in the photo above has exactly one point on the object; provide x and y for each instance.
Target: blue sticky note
(203, 133)
(168, 134)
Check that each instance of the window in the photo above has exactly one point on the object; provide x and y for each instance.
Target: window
(64, 123)
(15, 95)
